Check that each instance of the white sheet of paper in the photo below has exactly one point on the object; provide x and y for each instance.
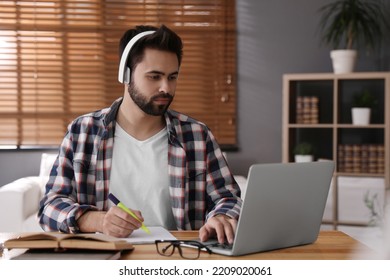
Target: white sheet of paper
(156, 233)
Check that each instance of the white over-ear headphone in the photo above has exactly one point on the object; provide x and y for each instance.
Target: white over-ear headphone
(124, 71)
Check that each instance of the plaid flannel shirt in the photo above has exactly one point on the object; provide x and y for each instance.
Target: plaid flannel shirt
(201, 184)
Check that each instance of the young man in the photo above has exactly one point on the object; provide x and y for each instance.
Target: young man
(163, 164)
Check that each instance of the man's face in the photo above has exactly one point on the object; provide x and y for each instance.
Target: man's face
(153, 83)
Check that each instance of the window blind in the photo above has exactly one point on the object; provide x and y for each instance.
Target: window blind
(59, 59)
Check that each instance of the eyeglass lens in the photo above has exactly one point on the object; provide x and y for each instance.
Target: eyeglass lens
(185, 250)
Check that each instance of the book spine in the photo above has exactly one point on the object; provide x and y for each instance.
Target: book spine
(364, 156)
(372, 159)
(356, 158)
(381, 159)
(348, 158)
(306, 110)
(314, 110)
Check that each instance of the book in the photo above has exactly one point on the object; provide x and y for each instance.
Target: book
(341, 158)
(356, 158)
(306, 116)
(364, 158)
(313, 109)
(361, 158)
(380, 159)
(69, 254)
(62, 241)
(372, 159)
(348, 158)
(307, 110)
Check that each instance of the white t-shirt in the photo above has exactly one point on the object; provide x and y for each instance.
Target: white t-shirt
(139, 176)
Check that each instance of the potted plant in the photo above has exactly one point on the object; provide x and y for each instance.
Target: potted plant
(303, 152)
(361, 107)
(349, 24)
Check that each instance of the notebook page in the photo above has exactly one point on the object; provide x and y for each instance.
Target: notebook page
(156, 233)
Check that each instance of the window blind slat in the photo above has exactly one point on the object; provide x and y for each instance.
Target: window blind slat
(59, 59)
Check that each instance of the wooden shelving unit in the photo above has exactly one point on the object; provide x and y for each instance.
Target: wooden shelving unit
(333, 128)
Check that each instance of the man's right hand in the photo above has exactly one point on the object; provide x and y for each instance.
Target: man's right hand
(114, 222)
(118, 223)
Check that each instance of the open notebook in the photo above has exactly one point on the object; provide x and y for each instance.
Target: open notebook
(156, 233)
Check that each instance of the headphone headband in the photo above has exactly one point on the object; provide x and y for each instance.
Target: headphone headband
(124, 71)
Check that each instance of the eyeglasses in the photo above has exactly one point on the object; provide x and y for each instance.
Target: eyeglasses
(188, 249)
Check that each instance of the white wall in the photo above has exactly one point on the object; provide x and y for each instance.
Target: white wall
(277, 37)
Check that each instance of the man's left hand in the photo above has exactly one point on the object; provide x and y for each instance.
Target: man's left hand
(221, 226)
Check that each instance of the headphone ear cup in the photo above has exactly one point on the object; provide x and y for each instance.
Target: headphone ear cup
(124, 71)
(126, 76)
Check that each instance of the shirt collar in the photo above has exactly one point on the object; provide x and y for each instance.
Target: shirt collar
(113, 111)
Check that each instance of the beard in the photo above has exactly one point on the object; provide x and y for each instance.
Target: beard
(148, 106)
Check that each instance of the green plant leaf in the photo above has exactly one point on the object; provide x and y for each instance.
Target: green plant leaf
(364, 99)
(303, 148)
(352, 23)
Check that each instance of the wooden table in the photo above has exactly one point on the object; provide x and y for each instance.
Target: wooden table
(330, 245)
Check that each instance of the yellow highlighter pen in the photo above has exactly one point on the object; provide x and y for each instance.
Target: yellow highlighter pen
(124, 208)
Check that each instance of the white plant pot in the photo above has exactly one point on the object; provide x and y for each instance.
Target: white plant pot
(343, 61)
(361, 116)
(303, 158)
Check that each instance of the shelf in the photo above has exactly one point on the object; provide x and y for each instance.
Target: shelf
(352, 126)
(310, 125)
(359, 174)
(317, 109)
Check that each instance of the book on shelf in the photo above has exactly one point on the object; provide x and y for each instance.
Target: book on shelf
(313, 109)
(356, 159)
(364, 155)
(380, 158)
(348, 160)
(299, 109)
(307, 109)
(340, 158)
(63, 241)
(362, 158)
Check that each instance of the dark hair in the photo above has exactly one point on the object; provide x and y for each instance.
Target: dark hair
(163, 39)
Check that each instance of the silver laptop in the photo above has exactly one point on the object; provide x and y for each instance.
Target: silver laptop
(283, 207)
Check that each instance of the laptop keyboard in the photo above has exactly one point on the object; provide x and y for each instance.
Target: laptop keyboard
(221, 245)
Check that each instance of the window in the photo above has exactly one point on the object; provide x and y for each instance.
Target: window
(59, 59)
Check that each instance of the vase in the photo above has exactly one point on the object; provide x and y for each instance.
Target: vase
(303, 158)
(343, 61)
(361, 116)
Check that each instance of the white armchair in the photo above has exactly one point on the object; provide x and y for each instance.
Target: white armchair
(19, 200)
